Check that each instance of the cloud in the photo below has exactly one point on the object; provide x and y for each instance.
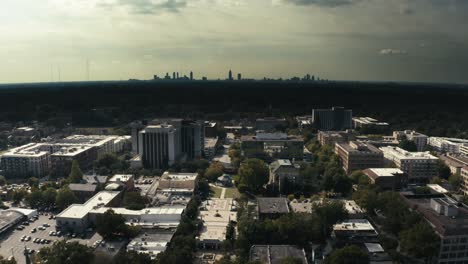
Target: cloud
(323, 3)
(147, 6)
(392, 52)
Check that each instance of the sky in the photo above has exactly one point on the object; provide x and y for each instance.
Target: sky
(375, 40)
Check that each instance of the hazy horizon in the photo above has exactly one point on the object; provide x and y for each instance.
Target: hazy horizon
(364, 40)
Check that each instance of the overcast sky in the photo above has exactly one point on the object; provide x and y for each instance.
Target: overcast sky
(396, 40)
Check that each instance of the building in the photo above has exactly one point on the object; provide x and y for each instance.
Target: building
(331, 137)
(369, 122)
(25, 161)
(175, 188)
(303, 121)
(419, 166)
(211, 129)
(63, 158)
(104, 144)
(159, 146)
(358, 156)
(450, 222)
(336, 118)
(8, 219)
(278, 145)
(270, 123)
(152, 242)
(448, 145)
(464, 182)
(387, 178)
(83, 191)
(455, 162)
(211, 146)
(224, 180)
(377, 254)
(76, 216)
(283, 170)
(274, 254)
(379, 141)
(215, 215)
(127, 181)
(419, 139)
(354, 231)
(272, 208)
(192, 138)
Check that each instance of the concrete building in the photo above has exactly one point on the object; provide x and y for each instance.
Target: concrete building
(76, 216)
(274, 254)
(126, 180)
(152, 242)
(303, 121)
(192, 138)
(282, 170)
(278, 145)
(336, 118)
(419, 166)
(387, 178)
(215, 214)
(359, 156)
(354, 231)
(272, 208)
(83, 191)
(160, 146)
(63, 158)
(450, 222)
(175, 188)
(368, 122)
(8, 219)
(447, 145)
(25, 161)
(419, 139)
(211, 129)
(331, 137)
(464, 183)
(270, 123)
(104, 144)
(211, 146)
(454, 162)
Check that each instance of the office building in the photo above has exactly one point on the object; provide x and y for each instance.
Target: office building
(331, 137)
(449, 220)
(277, 145)
(25, 161)
(136, 127)
(354, 231)
(192, 138)
(191, 75)
(358, 156)
(387, 178)
(448, 145)
(159, 146)
(270, 123)
(336, 118)
(419, 139)
(419, 166)
(284, 170)
(274, 254)
(454, 162)
(239, 76)
(125, 180)
(152, 242)
(464, 183)
(230, 75)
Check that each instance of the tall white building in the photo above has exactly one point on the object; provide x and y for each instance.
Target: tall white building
(419, 139)
(26, 161)
(420, 166)
(159, 146)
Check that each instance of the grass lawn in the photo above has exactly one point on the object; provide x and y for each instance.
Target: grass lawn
(232, 193)
(215, 192)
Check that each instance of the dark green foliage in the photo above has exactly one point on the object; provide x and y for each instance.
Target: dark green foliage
(134, 201)
(348, 255)
(408, 145)
(131, 257)
(66, 252)
(420, 241)
(111, 164)
(254, 174)
(76, 175)
(65, 197)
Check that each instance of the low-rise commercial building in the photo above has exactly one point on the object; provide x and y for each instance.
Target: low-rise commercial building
(419, 166)
(284, 170)
(278, 145)
(83, 191)
(354, 231)
(387, 178)
(151, 242)
(359, 156)
(175, 188)
(274, 254)
(272, 207)
(216, 215)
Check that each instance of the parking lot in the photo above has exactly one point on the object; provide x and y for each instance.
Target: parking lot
(11, 243)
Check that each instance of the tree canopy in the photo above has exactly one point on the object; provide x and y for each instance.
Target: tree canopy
(254, 174)
(348, 255)
(75, 174)
(66, 252)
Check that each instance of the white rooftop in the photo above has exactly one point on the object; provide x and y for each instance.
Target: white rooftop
(399, 153)
(355, 225)
(386, 172)
(121, 178)
(79, 211)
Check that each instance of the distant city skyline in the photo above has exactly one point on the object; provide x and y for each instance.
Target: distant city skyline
(374, 40)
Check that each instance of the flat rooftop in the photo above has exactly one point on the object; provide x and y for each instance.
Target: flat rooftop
(79, 211)
(382, 172)
(274, 254)
(403, 154)
(82, 187)
(8, 218)
(121, 178)
(273, 205)
(354, 225)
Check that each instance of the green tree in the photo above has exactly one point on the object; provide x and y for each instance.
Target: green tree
(134, 201)
(329, 213)
(348, 255)
(420, 241)
(65, 197)
(34, 199)
(66, 252)
(214, 171)
(18, 195)
(444, 170)
(455, 180)
(49, 195)
(33, 182)
(132, 257)
(110, 224)
(3, 181)
(75, 175)
(408, 145)
(436, 180)
(254, 173)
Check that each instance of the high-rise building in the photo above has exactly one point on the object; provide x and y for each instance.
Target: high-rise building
(192, 138)
(25, 161)
(136, 127)
(336, 118)
(191, 75)
(239, 76)
(230, 75)
(173, 75)
(159, 146)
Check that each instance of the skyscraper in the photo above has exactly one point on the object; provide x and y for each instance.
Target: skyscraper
(239, 76)
(173, 76)
(191, 75)
(159, 146)
(230, 75)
